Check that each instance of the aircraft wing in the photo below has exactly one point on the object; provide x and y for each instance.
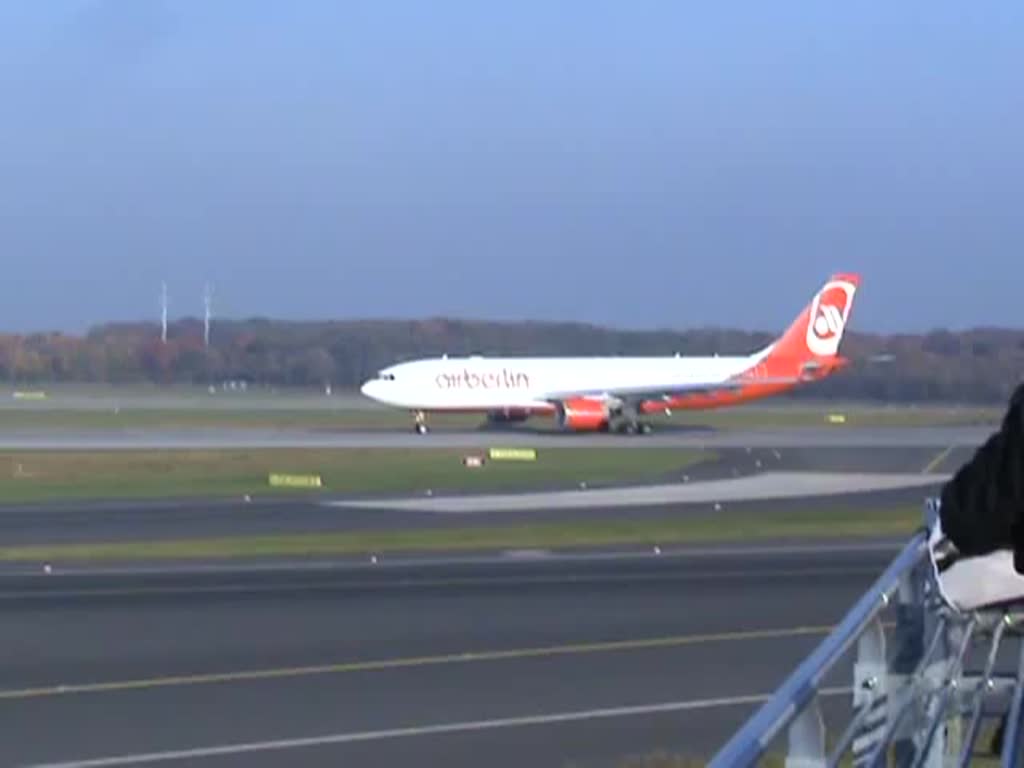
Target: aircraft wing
(809, 371)
(667, 392)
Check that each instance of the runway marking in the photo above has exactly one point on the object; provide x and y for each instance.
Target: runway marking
(672, 641)
(245, 589)
(356, 564)
(773, 485)
(938, 459)
(359, 564)
(428, 730)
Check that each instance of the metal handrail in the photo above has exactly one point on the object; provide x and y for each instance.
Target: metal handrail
(920, 706)
(752, 740)
(1014, 725)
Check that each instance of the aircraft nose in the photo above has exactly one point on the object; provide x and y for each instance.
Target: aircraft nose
(371, 389)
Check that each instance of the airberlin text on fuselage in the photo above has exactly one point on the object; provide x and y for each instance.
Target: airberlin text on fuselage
(503, 379)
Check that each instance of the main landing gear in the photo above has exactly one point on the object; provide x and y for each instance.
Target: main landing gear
(627, 422)
(631, 427)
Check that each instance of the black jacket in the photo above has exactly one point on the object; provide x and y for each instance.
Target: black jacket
(982, 505)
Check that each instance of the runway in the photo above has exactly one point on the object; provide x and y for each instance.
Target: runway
(768, 486)
(507, 658)
(547, 662)
(167, 439)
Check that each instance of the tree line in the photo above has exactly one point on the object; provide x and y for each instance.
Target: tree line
(974, 366)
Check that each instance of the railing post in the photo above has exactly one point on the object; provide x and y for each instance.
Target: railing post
(909, 639)
(807, 739)
(794, 706)
(1014, 733)
(921, 709)
(940, 675)
(976, 699)
(939, 665)
(870, 692)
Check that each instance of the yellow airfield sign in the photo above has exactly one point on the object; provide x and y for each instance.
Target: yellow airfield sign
(279, 480)
(513, 454)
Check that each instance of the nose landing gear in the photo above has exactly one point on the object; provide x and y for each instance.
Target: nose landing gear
(420, 425)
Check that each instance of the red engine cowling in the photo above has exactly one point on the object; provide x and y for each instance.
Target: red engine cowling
(582, 415)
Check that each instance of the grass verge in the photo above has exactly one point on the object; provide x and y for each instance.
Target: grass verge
(844, 523)
(774, 760)
(81, 475)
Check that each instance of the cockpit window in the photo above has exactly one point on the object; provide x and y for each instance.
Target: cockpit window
(386, 376)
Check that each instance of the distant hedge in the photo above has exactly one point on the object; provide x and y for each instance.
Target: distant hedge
(976, 366)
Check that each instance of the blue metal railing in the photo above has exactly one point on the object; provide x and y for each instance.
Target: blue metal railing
(754, 738)
(1012, 738)
(910, 707)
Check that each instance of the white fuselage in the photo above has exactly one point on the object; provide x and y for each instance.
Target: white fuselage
(569, 386)
(481, 383)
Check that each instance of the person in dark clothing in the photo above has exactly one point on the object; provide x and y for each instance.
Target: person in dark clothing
(981, 508)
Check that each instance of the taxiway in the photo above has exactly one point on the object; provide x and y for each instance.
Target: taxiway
(807, 437)
(740, 478)
(514, 659)
(546, 662)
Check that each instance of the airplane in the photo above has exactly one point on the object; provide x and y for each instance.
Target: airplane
(612, 394)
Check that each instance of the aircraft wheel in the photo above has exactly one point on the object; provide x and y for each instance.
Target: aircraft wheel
(421, 429)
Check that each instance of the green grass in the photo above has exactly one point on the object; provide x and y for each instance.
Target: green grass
(828, 523)
(209, 418)
(775, 758)
(669, 760)
(856, 415)
(27, 476)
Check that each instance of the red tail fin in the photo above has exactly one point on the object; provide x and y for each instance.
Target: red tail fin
(808, 350)
(810, 346)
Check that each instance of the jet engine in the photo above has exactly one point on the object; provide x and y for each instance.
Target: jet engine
(582, 415)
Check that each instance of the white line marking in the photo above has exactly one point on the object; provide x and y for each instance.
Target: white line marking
(758, 487)
(939, 458)
(356, 562)
(425, 730)
(317, 587)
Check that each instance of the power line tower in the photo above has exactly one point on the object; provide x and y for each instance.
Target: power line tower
(163, 313)
(207, 313)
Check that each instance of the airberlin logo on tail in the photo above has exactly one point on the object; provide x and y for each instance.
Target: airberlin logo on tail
(829, 312)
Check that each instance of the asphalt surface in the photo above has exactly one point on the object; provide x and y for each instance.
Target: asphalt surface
(156, 439)
(523, 659)
(204, 518)
(114, 522)
(582, 662)
(772, 485)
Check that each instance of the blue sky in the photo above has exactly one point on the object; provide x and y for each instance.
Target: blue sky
(646, 164)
